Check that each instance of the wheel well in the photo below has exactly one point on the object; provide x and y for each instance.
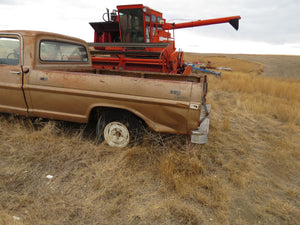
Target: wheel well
(98, 111)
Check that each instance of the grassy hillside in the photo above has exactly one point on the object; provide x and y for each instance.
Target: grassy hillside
(248, 172)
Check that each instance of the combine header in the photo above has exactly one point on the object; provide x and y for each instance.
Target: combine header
(136, 37)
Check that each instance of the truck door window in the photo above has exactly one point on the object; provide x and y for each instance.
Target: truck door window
(54, 51)
(9, 51)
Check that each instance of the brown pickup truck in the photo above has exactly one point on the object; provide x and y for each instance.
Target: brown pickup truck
(51, 76)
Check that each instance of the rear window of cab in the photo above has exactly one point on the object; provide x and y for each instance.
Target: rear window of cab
(56, 51)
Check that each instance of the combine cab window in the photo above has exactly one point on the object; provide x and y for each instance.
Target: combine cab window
(147, 18)
(153, 30)
(132, 26)
(153, 19)
(54, 51)
(9, 51)
(159, 20)
(148, 34)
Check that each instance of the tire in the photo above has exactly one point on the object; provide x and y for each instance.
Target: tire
(117, 129)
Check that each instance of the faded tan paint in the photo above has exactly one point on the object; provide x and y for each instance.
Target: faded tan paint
(70, 91)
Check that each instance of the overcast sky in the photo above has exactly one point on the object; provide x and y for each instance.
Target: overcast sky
(266, 27)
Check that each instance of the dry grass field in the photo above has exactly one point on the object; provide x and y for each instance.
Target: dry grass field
(248, 172)
(284, 66)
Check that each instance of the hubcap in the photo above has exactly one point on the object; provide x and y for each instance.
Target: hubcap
(116, 134)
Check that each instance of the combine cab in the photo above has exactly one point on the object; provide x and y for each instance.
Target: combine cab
(136, 37)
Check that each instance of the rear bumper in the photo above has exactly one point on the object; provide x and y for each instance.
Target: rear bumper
(199, 136)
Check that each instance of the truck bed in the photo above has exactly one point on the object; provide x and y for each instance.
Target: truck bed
(139, 74)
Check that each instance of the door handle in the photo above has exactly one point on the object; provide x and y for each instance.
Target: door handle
(15, 72)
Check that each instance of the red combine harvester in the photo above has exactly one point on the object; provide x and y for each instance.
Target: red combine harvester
(136, 37)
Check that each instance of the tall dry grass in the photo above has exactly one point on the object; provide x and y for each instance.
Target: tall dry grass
(165, 180)
(277, 97)
(282, 88)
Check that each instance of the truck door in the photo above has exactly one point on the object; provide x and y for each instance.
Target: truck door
(11, 93)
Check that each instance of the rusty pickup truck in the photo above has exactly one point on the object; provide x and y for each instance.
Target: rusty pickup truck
(51, 76)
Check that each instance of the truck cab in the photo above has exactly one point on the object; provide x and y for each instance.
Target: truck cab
(24, 52)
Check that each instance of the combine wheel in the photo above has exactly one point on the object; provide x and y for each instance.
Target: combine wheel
(117, 129)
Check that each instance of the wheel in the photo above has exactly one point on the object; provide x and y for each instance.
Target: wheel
(117, 129)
